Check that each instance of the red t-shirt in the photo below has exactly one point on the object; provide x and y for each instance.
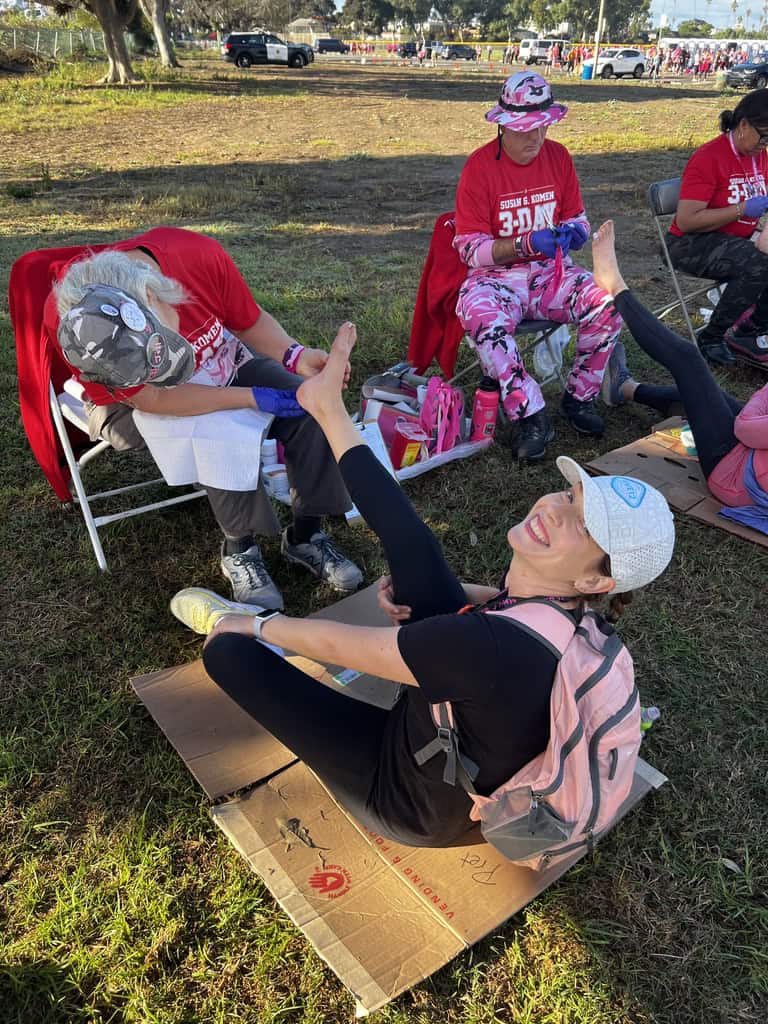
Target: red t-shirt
(219, 298)
(718, 176)
(505, 199)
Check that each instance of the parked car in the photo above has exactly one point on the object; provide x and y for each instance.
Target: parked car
(457, 51)
(407, 50)
(536, 51)
(331, 46)
(751, 75)
(618, 62)
(247, 48)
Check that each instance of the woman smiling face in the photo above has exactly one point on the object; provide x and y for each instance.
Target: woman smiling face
(553, 545)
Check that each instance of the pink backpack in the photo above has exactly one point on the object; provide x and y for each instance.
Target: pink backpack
(441, 415)
(562, 800)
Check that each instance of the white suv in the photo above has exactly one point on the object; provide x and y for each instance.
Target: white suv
(619, 62)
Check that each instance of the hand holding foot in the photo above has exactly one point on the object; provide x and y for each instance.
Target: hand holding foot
(605, 267)
(321, 395)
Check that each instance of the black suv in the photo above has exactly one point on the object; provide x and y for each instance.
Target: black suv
(246, 48)
(407, 50)
(331, 46)
(752, 75)
(455, 51)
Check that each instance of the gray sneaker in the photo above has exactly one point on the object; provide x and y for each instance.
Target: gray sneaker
(616, 373)
(324, 560)
(251, 582)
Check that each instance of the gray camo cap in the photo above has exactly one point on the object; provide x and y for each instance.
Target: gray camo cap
(112, 339)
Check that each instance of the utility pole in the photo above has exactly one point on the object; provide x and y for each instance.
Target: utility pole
(598, 33)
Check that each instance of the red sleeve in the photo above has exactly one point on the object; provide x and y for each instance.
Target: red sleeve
(473, 201)
(571, 203)
(699, 178)
(751, 426)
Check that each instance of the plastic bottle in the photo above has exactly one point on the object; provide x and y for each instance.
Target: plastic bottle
(485, 409)
(647, 717)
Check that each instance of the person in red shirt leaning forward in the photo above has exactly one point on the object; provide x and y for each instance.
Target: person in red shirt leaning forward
(165, 323)
(519, 214)
(722, 197)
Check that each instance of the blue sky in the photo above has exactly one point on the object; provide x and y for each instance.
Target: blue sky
(717, 13)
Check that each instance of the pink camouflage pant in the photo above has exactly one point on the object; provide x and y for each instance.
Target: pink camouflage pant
(494, 300)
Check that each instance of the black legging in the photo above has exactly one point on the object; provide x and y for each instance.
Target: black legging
(710, 411)
(338, 737)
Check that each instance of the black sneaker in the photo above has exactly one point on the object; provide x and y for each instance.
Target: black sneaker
(533, 435)
(748, 345)
(716, 352)
(581, 415)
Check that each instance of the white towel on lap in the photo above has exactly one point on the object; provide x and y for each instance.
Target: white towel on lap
(217, 449)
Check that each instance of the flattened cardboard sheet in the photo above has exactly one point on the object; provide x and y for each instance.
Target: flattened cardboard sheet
(223, 747)
(662, 461)
(381, 915)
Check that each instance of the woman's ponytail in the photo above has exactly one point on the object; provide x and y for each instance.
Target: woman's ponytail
(617, 604)
(727, 120)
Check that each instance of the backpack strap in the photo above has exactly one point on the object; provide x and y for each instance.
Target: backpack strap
(545, 621)
(550, 625)
(457, 765)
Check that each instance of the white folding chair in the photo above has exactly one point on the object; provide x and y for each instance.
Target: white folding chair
(69, 406)
(663, 197)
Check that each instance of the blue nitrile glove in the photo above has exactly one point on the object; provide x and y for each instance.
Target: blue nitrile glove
(578, 232)
(756, 206)
(277, 401)
(548, 240)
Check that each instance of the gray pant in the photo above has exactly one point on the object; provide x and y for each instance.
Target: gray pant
(725, 258)
(313, 476)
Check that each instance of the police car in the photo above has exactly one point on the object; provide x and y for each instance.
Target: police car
(247, 48)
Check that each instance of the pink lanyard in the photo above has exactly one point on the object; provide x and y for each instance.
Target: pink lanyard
(752, 187)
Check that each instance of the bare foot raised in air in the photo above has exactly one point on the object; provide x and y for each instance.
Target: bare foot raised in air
(605, 268)
(321, 394)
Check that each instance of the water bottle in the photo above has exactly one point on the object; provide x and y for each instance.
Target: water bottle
(485, 409)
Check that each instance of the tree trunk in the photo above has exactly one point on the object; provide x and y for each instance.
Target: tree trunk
(157, 12)
(112, 25)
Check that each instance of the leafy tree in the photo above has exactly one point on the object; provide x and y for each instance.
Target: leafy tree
(325, 9)
(113, 16)
(369, 15)
(157, 12)
(623, 18)
(695, 28)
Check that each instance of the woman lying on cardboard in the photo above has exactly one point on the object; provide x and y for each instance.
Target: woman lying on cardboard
(731, 437)
(598, 537)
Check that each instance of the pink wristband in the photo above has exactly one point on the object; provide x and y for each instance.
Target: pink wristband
(291, 356)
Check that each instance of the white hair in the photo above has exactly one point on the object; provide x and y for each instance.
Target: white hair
(113, 268)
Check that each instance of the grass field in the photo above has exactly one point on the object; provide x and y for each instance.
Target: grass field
(119, 900)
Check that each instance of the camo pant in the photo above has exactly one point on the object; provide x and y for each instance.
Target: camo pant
(493, 301)
(726, 258)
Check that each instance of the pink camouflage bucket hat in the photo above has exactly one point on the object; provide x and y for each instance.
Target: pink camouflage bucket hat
(526, 103)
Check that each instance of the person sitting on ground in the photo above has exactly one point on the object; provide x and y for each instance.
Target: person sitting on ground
(723, 194)
(519, 213)
(604, 536)
(731, 439)
(180, 292)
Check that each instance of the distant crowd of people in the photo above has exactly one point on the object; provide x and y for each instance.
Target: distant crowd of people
(696, 61)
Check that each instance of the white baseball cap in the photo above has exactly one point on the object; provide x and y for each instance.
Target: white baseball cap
(630, 520)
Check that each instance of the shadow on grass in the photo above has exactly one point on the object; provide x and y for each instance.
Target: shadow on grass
(442, 84)
(43, 992)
